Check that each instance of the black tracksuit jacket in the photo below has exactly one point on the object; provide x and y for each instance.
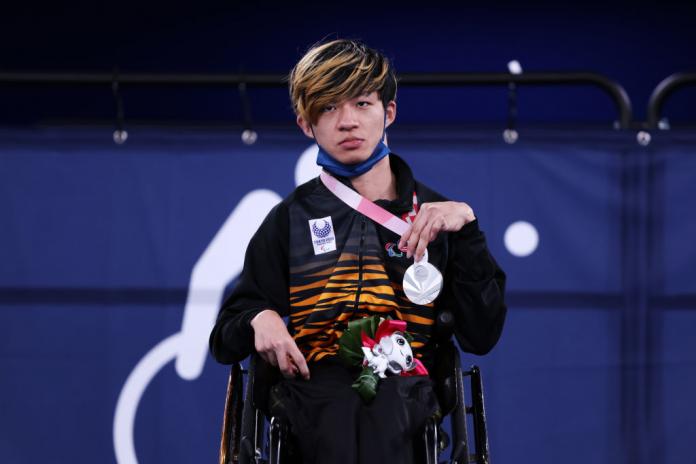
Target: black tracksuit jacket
(320, 293)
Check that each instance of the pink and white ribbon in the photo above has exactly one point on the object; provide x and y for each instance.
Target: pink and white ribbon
(422, 281)
(363, 205)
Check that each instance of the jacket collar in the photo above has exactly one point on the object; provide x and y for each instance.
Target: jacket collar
(405, 186)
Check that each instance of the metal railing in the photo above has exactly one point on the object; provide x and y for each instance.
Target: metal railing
(663, 91)
(615, 91)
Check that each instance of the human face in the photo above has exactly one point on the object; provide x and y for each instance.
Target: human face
(350, 130)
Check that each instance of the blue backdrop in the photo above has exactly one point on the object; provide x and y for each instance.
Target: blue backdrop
(102, 246)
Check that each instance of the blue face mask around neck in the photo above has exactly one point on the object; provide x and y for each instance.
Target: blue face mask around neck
(335, 167)
(351, 170)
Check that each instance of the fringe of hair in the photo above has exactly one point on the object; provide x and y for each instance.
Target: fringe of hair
(336, 71)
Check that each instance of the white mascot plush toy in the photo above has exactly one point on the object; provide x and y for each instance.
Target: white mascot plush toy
(391, 353)
(382, 347)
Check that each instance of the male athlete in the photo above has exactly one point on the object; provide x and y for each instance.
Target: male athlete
(324, 264)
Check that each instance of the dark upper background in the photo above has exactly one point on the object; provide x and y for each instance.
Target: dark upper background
(636, 45)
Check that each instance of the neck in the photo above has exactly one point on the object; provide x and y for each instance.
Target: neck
(379, 183)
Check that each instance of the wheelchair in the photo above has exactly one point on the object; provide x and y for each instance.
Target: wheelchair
(251, 436)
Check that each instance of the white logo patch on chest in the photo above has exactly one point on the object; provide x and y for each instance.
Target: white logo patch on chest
(322, 233)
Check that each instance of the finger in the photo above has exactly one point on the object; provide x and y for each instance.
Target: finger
(403, 241)
(413, 238)
(410, 243)
(299, 362)
(284, 364)
(437, 227)
(420, 219)
(269, 357)
(433, 234)
(293, 367)
(421, 223)
(469, 215)
(422, 245)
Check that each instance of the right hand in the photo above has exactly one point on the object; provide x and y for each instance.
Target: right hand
(275, 345)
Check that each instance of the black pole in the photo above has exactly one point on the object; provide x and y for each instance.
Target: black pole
(663, 90)
(613, 89)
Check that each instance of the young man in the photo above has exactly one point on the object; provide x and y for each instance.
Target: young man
(323, 264)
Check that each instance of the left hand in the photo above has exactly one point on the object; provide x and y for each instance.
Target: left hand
(433, 218)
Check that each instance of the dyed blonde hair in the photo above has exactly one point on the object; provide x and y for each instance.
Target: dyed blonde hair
(339, 70)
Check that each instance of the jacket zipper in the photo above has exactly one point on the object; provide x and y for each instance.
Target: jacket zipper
(360, 263)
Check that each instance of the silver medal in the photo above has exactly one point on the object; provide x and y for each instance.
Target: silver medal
(422, 281)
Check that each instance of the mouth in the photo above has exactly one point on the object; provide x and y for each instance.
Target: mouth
(395, 367)
(351, 142)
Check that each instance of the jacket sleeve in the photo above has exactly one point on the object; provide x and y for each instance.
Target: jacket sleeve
(263, 284)
(474, 292)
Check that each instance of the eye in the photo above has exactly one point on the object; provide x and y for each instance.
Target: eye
(401, 341)
(328, 108)
(363, 103)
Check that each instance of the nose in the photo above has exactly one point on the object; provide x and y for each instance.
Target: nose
(347, 119)
(409, 360)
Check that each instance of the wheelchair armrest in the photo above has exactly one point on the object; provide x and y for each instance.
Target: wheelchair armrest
(263, 376)
(231, 423)
(445, 376)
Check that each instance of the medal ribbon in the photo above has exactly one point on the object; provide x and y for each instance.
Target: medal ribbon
(362, 205)
(420, 289)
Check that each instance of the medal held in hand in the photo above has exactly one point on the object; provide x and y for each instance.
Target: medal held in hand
(422, 281)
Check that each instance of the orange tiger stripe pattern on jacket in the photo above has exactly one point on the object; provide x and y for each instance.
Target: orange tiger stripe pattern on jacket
(326, 296)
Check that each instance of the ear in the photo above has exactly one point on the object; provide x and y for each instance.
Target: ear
(305, 126)
(390, 112)
(387, 345)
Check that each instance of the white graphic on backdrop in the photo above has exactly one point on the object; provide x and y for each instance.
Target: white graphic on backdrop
(521, 239)
(220, 263)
